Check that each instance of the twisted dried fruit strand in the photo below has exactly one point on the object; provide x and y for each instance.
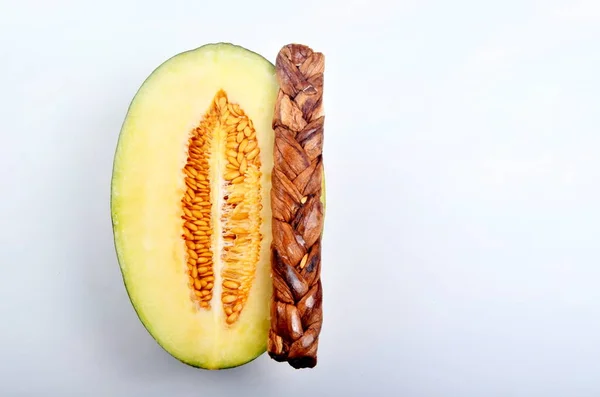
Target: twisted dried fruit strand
(296, 306)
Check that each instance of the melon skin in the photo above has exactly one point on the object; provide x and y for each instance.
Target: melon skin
(146, 187)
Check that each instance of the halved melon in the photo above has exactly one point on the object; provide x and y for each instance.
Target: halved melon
(191, 208)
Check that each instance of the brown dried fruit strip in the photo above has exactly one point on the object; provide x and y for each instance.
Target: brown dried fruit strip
(296, 305)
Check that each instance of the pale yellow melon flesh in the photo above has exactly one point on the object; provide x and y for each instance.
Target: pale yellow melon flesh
(147, 189)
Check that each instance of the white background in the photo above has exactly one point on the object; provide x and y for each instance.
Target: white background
(461, 253)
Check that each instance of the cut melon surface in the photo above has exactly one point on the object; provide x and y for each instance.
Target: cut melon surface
(190, 204)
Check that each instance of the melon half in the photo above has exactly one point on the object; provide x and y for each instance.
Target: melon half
(190, 204)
